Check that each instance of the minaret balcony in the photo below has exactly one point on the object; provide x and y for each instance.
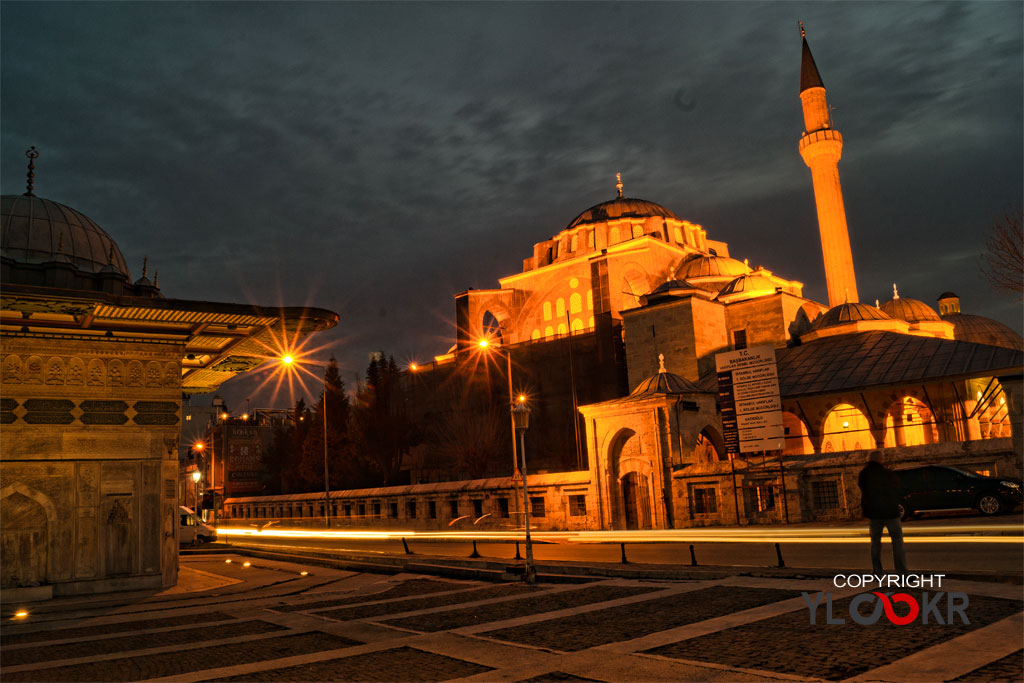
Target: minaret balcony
(819, 136)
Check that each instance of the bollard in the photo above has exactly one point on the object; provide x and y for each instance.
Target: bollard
(406, 546)
(693, 557)
(474, 553)
(622, 546)
(778, 553)
(518, 556)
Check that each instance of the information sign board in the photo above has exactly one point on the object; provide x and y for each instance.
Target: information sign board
(748, 392)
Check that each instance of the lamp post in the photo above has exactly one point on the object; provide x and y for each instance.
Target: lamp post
(287, 360)
(507, 353)
(521, 420)
(196, 476)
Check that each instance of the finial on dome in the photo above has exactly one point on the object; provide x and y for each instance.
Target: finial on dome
(876, 304)
(661, 362)
(846, 295)
(145, 264)
(618, 183)
(895, 292)
(32, 155)
(110, 256)
(803, 33)
(746, 262)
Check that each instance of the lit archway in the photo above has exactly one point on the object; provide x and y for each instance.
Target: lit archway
(798, 439)
(845, 428)
(909, 422)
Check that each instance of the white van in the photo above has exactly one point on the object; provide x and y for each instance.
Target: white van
(192, 529)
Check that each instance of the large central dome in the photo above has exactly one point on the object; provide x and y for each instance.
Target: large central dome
(37, 230)
(621, 207)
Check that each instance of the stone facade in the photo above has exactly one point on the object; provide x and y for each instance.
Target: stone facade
(88, 483)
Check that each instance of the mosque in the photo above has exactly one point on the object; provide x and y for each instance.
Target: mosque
(93, 367)
(612, 328)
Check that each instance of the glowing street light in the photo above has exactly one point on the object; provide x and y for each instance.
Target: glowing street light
(507, 353)
(287, 361)
(196, 476)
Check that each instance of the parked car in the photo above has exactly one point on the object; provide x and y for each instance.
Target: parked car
(193, 529)
(939, 487)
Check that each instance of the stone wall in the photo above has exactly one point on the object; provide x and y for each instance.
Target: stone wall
(88, 471)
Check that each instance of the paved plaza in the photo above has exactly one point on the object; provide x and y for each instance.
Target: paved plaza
(281, 621)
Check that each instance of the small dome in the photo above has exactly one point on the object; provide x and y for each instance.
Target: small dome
(749, 286)
(911, 310)
(620, 207)
(664, 383)
(982, 330)
(711, 266)
(848, 313)
(37, 230)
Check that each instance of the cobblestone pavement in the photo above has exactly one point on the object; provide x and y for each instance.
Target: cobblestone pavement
(271, 622)
(1010, 668)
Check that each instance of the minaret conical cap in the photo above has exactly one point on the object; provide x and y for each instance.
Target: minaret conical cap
(809, 76)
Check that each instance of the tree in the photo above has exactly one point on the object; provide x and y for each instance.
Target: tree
(382, 431)
(1002, 262)
(338, 412)
(467, 437)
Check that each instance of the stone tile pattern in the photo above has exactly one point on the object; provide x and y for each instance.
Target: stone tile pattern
(626, 622)
(558, 677)
(404, 589)
(138, 641)
(832, 652)
(522, 607)
(186, 660)
(1010, 669)
(399, 664)
(377, 610)
(93, 631)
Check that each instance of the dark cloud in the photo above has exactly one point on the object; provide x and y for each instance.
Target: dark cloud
(377, 158)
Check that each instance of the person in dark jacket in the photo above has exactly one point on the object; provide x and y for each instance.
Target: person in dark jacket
(880, 501)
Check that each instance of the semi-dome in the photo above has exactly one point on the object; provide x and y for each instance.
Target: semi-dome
(37, 230)
(911, 310)
(848, 313)
(711, 265)
(621, 207)
(982, 330)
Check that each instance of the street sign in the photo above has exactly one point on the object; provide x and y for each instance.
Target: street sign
(748, 392)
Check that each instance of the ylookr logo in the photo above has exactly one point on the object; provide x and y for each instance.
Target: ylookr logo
(929, 607)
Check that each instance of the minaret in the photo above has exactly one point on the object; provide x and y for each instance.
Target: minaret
(821, 146)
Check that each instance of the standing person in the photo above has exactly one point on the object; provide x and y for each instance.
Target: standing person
(880, 501)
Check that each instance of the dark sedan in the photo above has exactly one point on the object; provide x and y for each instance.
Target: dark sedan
(938, 487)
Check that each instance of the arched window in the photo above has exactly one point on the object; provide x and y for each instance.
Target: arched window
(575, 303)
(561, 328)
(549, 331)
(547, 310)
(613, 236)
(678, 235)
(560, 308)
(491, 327)
(577, 325)
(590, 239)
(638, 231)
(590, 322)
(535, 335)
(590, 299)
(846, 429)
(574, 243)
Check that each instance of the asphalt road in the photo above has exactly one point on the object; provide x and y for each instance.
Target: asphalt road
(950, 545)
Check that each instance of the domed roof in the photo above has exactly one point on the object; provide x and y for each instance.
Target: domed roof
(982, 330)
(711, 265)
(911, 310)
(37, 230)
(621, 207)
(848, 313)
(749, 286)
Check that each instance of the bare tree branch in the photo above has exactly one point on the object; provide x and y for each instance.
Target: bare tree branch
(1002, 262)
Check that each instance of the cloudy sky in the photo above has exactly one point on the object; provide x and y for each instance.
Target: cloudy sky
(376, 159)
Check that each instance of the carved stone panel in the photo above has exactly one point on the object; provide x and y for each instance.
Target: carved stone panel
(33, 371)
(25, 542)
(97, 373)
(76, 372)
(55, 371)
(12, 369)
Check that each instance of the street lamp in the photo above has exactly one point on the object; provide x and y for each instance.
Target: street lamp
(507, 353)
(287, 361)
(196, 476)
(521, 420)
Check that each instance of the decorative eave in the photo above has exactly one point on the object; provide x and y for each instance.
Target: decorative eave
(221, 340)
